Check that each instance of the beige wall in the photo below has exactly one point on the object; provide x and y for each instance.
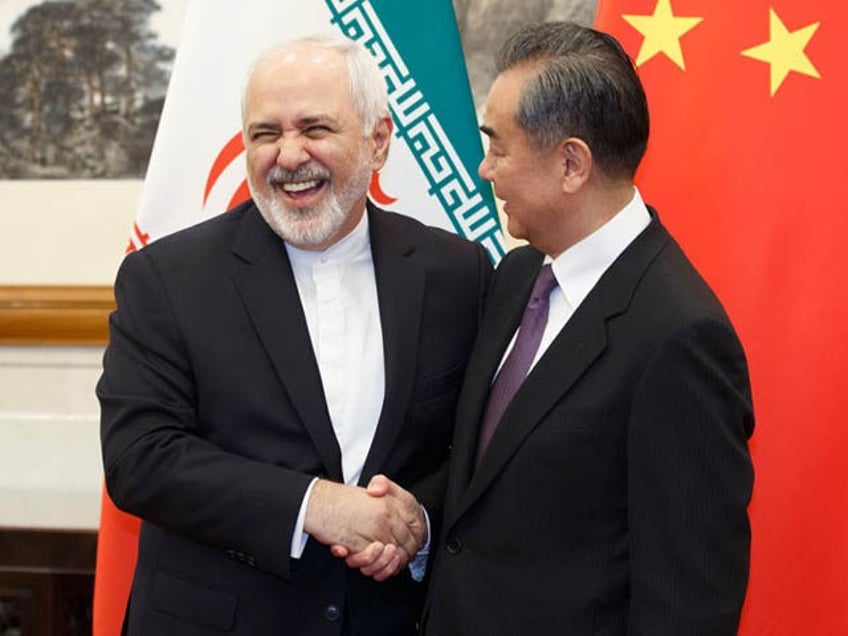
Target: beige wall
(64, 232)
(50, 468)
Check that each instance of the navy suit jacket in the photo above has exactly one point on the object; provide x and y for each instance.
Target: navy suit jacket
(214, 422)
(612, 499)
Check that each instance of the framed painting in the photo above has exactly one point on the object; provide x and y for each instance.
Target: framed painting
(83, 83)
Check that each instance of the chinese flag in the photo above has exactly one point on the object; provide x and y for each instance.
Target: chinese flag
(746, 165)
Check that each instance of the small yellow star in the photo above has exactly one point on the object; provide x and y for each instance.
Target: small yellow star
(662, 32)
(785, 51)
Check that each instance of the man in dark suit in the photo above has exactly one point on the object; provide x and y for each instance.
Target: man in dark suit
(264, 366)
(607, 494)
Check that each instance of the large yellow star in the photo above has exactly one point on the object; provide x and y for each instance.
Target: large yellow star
(662, 32)
(785, 51)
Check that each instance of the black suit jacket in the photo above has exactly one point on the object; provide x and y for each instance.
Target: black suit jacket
(214, 422)
(613, 497)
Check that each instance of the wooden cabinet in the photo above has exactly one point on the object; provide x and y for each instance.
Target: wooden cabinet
(46, 582)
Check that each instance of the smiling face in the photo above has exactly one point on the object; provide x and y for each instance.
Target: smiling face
(308, 162)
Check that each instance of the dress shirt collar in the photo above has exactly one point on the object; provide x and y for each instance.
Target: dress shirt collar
(579, 268)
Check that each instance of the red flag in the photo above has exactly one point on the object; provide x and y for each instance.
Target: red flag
(748, 102)
(117, 547)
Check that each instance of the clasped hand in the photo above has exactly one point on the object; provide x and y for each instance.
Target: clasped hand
(377, 529)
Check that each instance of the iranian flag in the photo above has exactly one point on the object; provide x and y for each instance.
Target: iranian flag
(748, 102)
(197, 167)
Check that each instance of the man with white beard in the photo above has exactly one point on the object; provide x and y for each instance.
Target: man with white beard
(265, 366)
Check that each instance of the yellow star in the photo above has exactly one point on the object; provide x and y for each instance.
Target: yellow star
(662, 32)
(785, 51)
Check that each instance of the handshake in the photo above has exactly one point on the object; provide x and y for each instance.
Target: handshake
(376, 530)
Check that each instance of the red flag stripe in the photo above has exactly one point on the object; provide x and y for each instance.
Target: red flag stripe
(241, 195)
(232, 149)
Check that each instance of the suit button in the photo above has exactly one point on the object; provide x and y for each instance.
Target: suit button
(454, 546)
(332, 613)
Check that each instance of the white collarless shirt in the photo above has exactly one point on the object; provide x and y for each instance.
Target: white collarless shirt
(338, 293)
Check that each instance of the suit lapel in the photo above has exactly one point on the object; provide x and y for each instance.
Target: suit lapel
(572, 353)
(503, 313)
(400, 293)
(265, 282)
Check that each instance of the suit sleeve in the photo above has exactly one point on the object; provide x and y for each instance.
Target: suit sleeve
(158, 464)
(689, 483)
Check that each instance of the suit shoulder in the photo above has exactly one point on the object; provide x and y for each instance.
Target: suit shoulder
(425, 234)
(203, 247)
(671, 296)
(205, 235)
(683, 281)
(520, 257)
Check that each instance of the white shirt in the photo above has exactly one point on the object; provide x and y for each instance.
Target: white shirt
(338, 293)
(579, 268)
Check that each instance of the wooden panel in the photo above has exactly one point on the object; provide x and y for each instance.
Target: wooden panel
(66, 551)
(46, 582)
(53, 315)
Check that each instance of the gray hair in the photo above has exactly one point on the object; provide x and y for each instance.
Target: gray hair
(367, 85)
(584, 85)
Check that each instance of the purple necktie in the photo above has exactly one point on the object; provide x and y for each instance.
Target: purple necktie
(517, 363)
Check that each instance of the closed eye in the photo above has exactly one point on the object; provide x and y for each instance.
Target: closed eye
(317, 130)
(263, 134)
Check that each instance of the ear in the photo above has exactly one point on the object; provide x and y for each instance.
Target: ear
(576, 160)
(381, 136)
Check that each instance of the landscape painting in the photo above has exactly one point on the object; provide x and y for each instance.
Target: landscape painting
(82, 83)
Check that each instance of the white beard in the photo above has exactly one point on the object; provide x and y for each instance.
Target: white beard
(313, 226)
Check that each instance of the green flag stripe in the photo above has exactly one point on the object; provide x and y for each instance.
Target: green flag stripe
(470, 211)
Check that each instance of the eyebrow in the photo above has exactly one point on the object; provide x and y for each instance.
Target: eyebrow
(302, 122)
(309, 120)
(489, 132)
(261, 125)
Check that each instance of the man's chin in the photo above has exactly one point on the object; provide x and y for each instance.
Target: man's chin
(516, 229)
(306, 228)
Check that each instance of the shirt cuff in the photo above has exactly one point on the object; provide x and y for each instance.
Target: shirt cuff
(418, 565)
(299, 537)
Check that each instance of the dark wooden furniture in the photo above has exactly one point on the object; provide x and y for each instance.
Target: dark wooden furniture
(46, 582)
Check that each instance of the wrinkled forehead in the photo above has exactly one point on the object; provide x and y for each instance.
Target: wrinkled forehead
(309, 53)
(302, 58)
(298, 74)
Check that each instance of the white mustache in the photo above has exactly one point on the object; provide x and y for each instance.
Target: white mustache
(308, 172)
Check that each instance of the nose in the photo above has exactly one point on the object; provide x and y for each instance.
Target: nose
(291, 153)
(485, 168)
